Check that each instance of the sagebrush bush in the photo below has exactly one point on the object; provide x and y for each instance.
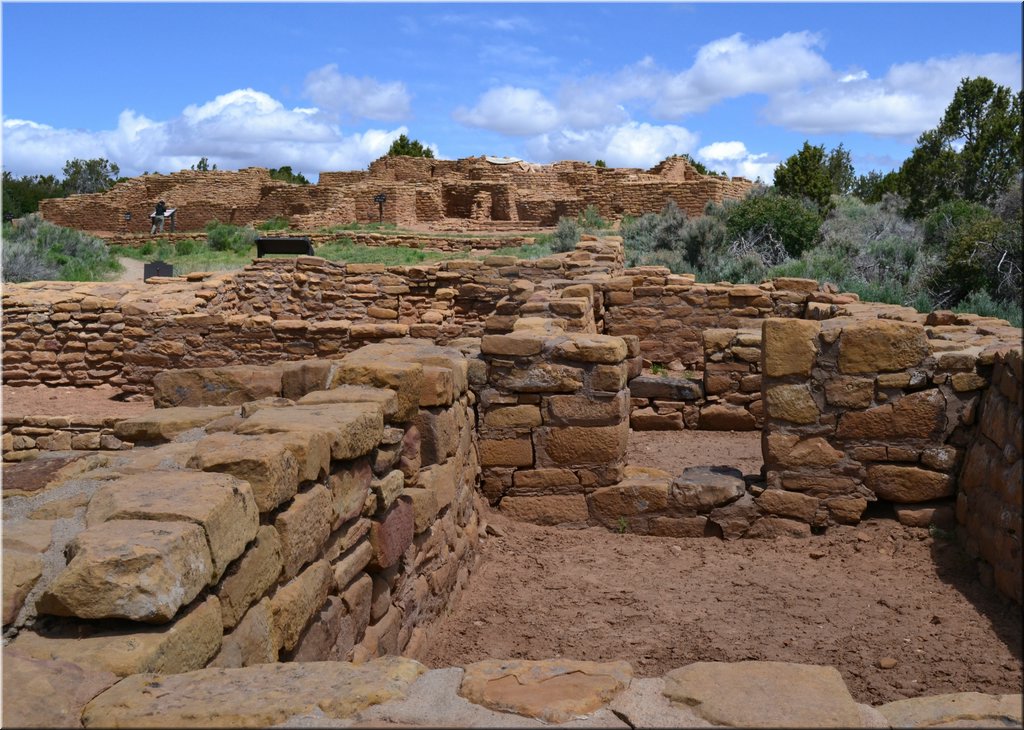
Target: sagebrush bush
(37, 249)
(225, 237)
(767, 215)
(187, 247)
(566, 236)
(981, 302)
(590, 220)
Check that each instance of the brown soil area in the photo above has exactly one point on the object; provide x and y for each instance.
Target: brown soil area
(41, 400)
(847, 598)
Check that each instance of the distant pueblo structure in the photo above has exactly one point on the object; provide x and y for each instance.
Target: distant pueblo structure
(474, 192)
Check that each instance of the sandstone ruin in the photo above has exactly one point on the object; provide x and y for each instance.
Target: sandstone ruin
(443, 194)
(307, 496)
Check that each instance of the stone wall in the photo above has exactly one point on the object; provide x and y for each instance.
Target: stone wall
(988, 504)
(418, 190)
(24, 437)
(308, 524)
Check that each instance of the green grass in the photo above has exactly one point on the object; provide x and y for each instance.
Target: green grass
(274, 224)
(369, 227)
(527, 251)
(344, 250)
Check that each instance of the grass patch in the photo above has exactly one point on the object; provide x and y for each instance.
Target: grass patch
(344, 250)
(37, 250)
(274, 224)
(528, 251)
(368, 227)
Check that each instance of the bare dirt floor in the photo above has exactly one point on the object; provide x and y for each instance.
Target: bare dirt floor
(98, 401)
(849, 598)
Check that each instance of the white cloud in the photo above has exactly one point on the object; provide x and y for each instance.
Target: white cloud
(239, 129)
(511, 110)
(354, 97)
(723, 151)
(631, 144)
(909, 99)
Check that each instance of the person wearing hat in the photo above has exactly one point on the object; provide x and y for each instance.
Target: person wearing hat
(158, 218)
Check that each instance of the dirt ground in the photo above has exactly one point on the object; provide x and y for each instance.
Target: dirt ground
(42, 400)
(848, 598)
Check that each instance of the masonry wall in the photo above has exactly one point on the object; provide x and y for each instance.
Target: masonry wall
(329, 524)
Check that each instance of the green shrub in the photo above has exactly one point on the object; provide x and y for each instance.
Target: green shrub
(147, 248)
(980, 302)
(771, 217)
(590, 220)
(37, 249)
(274, 224)
(566, 236)
(941, 223)
(187, 248)
(225, 237)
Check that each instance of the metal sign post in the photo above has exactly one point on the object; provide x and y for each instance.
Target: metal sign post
(380, 199)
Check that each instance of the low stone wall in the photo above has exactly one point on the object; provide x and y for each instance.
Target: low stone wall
(988, 505)
(334, 524)
(24, 437)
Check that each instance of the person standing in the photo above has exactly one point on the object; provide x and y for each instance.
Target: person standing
(158, 218)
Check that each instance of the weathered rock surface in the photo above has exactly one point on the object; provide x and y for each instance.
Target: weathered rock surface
(48, 693)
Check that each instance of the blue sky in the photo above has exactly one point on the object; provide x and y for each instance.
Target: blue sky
(328, 86)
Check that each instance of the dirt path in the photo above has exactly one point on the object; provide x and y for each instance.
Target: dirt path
(133, 269)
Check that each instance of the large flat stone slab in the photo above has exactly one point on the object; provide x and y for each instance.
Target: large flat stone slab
(764, 694)
(960, 709)
(219, 386)
(553, 690)
(268, 694)
(219, 503)
(48, 693)
(142, 570)
(163, 424)
(353, 429)
(28, 478)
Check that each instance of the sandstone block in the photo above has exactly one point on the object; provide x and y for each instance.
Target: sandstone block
(539, 378)
(764, 694)
(439, 434)
(294, 603)
(664, 526)
(259, 696)
(352, 564)
(506, 452)
(957, 709)
(540, 481)
(908, 483)
(665, 387)
(141, 570)
(702, 488)
(52, 693)
(917, 415)
(220, 504)
(516, 345)
(547, 510)
(386, 398)
(881, 346)
(21, 572)
(630, 498)
(353, 429)
(554, 690)
(646, 419)
(187, 644)
(303, 377)
(425, 508)
(438, 388)
(388, 488)
(252, 641)
(304, 527)
(726, 417)
(404, 378)
(592, 410)
(792, 403)
(269, 467)
(349, 487)
(846, 510)
(163, 424)
(219, 386)
(591, 348)
(329, 635)
(940, 513)
(580, 445)
(609, 378)
(251, 576)
(513, 417)
(392, 533)
(788, 504)
(790, 346)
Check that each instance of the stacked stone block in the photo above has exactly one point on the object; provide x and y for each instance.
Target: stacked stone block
(24, 437)
(554, 421)
(331, 524)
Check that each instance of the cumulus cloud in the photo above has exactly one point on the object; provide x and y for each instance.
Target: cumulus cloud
(353, 97)
(909, 99)
(735, 159)
(632, 144)
(239, 129)
(717, 151)
(511, 110)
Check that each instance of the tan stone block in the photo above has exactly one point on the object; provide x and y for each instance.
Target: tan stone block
(349, 486)
(814, 451)
(387, 399)
(893, 380)
(918, 415)
(388, 488)
(352, 563)
(357, 597)
(439, 434)
(506, 452)
(187, 644)
(220, 504)
(252, 642)
(269, 467)
(633, 497)
(404, 378)
(580, 445)
(141, 570)
(792, 403)
(956, 709)
(541, 377)
(216, 386)
(515, 345)
(392, 533)
(820, 484)
(846, 510)
(345, 537)
(726, 417)
(303, 528)
(258, 696)
(251, 576)
(50, 693)
(524, 416)
(646, 419)
(553, 690)
(163, 424)
(540, 481)
(849, 392)
(353, 429)
(788, 504)
(908, 483)
(591, 348)
(438, 388)
(764, 694)
(30, 536)
(609, 378)
(425, 507)
(294, 603)
(21, 572)
(442, 479)
(963, 382)
(881, 345)
(547, 510)
(595, 409)
(790, 346)
(382, 637)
